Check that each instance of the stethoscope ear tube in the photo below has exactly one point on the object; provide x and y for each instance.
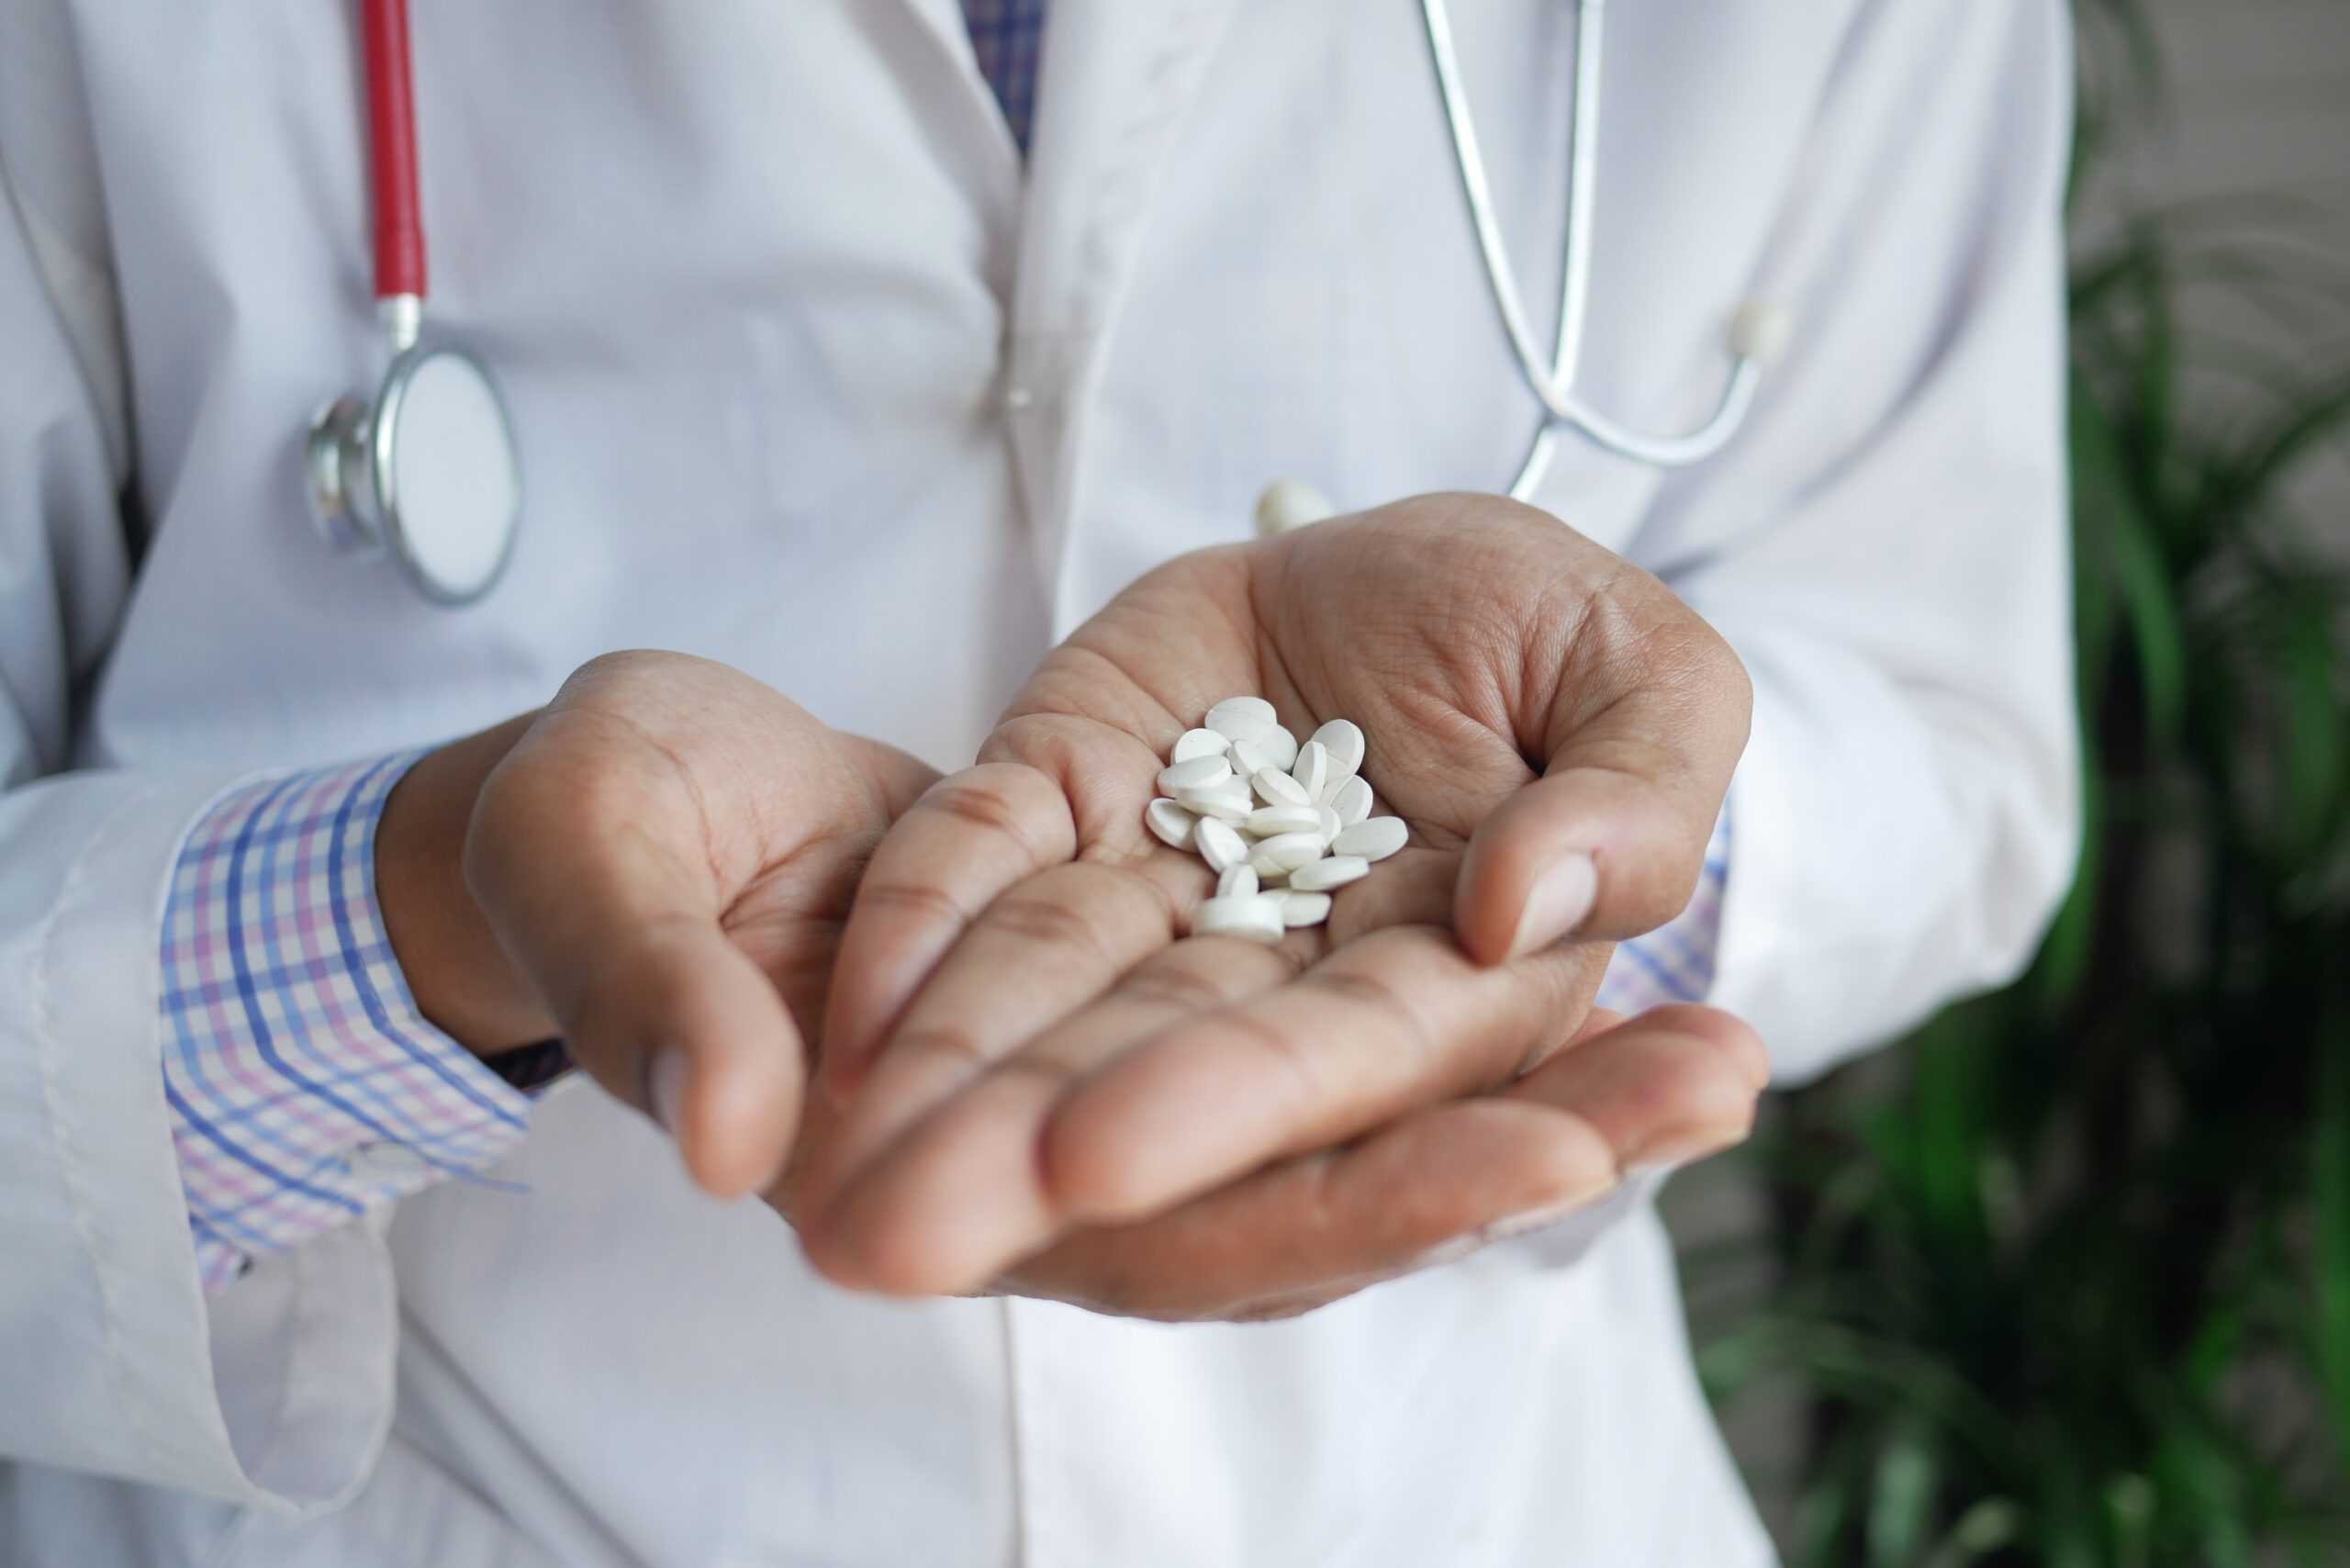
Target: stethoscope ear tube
(1756, 335)
(391, 149)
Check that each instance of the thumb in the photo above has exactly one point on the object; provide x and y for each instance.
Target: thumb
(1609, 842)
(621, 937)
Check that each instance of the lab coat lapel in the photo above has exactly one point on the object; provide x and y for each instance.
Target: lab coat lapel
(1117, 79)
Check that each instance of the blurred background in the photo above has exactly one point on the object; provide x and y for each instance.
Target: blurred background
(2065, 1278)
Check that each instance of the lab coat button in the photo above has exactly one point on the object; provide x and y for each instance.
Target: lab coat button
(1019, 399)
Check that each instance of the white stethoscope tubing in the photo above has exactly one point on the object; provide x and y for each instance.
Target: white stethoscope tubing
(1757, 333)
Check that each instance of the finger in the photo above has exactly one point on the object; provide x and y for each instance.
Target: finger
(1666, 1087)
(898, 777)
(1327, 1223)
(1430, 1186)
(963, 842)
(1041, 972)
(1041, 951)
(1386, 1023)
(619, 933)
(1608, 842)
(959, 1192)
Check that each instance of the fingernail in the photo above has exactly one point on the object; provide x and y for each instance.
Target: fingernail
(1559, 902)
(1676, 1150)
(1548, 1214)
(665, 1087)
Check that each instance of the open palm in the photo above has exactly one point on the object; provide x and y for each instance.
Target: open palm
(1029, 1046)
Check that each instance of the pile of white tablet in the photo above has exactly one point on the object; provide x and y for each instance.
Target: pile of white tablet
(1281, 825)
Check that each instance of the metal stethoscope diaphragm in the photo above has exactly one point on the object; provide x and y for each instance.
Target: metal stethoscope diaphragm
(426, 471)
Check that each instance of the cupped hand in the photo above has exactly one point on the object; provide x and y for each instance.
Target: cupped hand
(1030, 1048)
(656, 867)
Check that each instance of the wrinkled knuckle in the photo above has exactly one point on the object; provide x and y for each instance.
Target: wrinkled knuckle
(1045, 921)
(923, 899)
(1177, 987)
(988, 805)
(1359, 986)
(949, 1041)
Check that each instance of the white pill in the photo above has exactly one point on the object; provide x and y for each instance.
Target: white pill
(1344, 742)
(1238, 883)
(1278, 789)
(1221, 846)
(1200, 742)
(1256, 918)
(1270, 822)
(1326, 822)
(1373, 838)
(1178, 777)
(1248, 758)
(1300, 910)
(1312, 771)
(1324, 874)
(1351, 800)
(1242, 718)
(1171, 823)
(1229, 799)
(1286, 852)
(1278, 746)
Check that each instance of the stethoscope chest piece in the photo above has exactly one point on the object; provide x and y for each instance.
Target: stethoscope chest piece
(426, 474)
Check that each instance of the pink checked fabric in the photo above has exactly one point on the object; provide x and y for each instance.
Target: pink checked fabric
(1674, 962)
(304, 1086)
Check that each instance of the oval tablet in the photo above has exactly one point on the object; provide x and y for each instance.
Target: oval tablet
(1300, 910)
(1288, 851)
(1200, 742)
(1242, 718)
(1270, 822)
(1178, 777)
(1344, 743)
(1279, 746)
(1373, 838)
(1169, 822)
(1351, 800)
(1229, 799)
(1256, 918)
(1278, 789)
(1326, 822)
(1220, 844)
(1324, 874)
(1248, 759)
(1312, 771)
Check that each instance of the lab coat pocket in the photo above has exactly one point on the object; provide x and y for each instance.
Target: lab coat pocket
(411, 1511)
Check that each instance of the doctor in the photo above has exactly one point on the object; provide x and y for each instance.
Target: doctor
(822, 372)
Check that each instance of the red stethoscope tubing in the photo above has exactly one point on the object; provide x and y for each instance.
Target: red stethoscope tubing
(391, 130)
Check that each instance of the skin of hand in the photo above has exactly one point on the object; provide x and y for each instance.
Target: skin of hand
(655, 867)
(668, 852)
(1048, 1088)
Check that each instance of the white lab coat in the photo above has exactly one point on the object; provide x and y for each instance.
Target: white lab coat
(803, 384)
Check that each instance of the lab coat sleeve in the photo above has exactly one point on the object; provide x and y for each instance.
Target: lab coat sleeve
(109, 1359)
(1885, 546)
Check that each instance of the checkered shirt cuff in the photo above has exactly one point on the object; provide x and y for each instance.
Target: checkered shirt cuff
(304, 1086)
(1676, 961)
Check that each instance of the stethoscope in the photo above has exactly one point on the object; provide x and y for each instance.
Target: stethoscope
(427, 470)
(1757, 331)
